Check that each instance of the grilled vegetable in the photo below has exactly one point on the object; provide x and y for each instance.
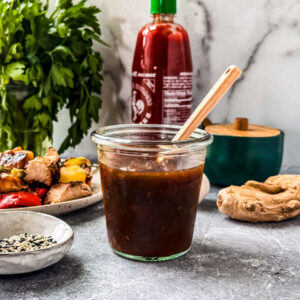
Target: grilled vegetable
(19, 199)
(41, 192)
(18, 173)
(78, 161)
(4, 169)
(76, 169)
(72, 173)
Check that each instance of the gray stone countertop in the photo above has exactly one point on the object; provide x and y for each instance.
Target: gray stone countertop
(228, 260)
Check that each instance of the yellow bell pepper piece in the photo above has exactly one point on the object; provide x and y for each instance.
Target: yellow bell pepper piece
(30, 155)
(79, 161)
(72, 173)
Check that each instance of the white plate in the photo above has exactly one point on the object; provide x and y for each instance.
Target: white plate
(14, 223)
(68, 206)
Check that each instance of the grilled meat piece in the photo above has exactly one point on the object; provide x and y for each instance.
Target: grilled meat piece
(40, 170)
(43, 169)
(52, 155)
(16, 158)
(10, 183)
(62, 192)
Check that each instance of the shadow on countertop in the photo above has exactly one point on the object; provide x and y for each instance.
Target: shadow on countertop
(54, 277)
(289, 223)
(84, 215)
(208, 205)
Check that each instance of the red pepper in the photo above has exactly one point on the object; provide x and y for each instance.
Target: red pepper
(41, 192)
(19, 199)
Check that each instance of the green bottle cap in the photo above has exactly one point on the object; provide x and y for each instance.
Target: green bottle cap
(163, 7)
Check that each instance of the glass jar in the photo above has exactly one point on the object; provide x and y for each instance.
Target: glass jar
(150, 187)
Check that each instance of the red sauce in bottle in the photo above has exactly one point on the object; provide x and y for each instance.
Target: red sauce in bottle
(162, 73)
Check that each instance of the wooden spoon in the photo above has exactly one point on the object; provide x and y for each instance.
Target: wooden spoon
(219, 89)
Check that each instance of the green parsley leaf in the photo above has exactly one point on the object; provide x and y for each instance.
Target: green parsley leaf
(15, 71)
(63, 51)
(57, 76)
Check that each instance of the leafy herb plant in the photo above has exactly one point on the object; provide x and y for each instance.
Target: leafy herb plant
(52, 56)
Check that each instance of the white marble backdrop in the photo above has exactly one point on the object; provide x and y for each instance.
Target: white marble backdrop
(260, 36)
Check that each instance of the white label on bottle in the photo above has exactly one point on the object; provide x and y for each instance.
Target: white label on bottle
(143, 89)
(177, 98)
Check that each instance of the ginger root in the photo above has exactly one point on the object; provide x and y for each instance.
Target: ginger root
(285, 181)
(275, 200)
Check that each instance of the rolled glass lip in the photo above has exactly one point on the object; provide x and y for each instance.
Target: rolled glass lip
(111, 136)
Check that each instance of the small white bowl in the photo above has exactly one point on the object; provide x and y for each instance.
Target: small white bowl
(14, 223)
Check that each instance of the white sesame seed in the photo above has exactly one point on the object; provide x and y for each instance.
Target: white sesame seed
(25, 242)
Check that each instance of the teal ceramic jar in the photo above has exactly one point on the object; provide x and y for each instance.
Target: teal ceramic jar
(240, 155)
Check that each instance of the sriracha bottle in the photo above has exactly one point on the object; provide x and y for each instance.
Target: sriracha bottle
(162, 69)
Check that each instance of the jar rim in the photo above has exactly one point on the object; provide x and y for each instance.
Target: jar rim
(111, 136)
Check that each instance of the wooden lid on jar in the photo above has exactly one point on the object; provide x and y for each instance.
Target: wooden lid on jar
(241, 128)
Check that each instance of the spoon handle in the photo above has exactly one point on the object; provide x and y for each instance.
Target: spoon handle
(219, 89)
